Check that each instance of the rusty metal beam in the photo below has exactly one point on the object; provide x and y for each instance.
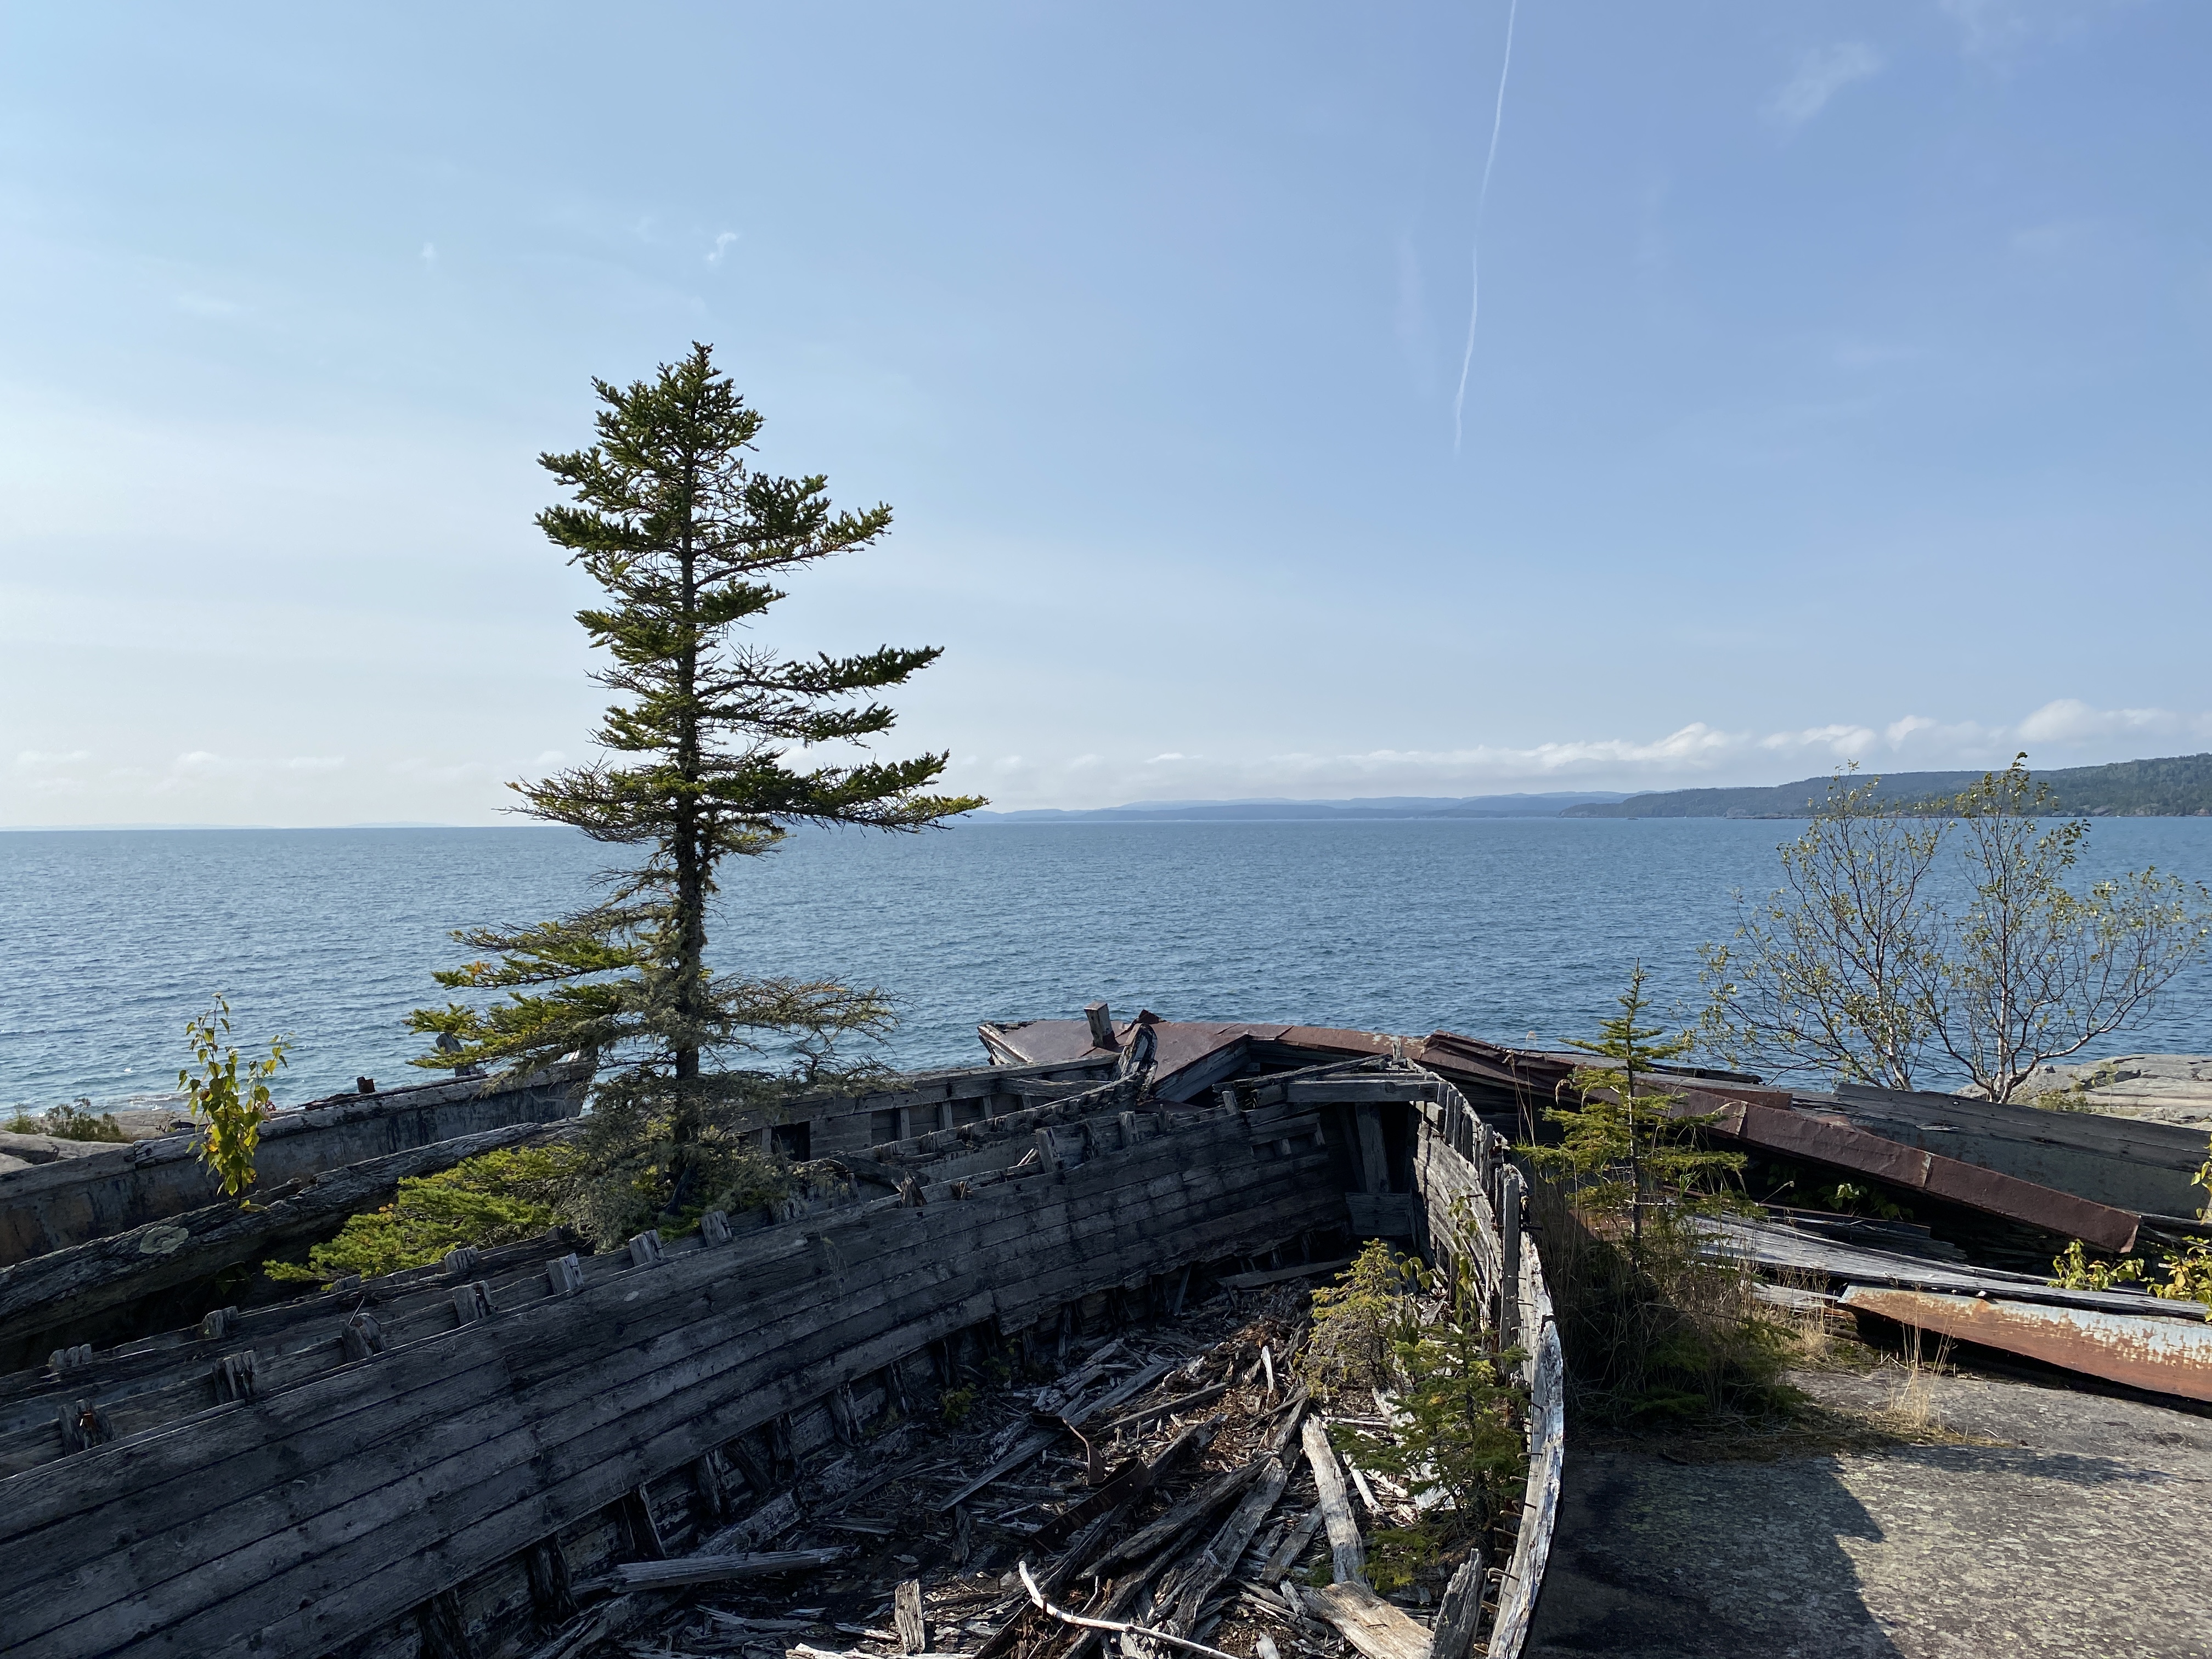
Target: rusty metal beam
(1795, 1134)
(2164, 1355)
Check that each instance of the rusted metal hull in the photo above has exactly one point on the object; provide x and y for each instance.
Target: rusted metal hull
(2164, 1355)
(1798, 1135)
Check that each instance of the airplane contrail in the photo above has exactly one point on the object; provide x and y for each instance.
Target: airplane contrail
(1474, 259)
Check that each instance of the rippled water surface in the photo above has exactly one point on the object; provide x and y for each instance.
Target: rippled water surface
(110, 941)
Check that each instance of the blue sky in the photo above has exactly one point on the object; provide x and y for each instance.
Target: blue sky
(1839, 390)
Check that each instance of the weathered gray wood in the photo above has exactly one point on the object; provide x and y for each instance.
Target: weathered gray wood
(1374, 1161)
(107, 1189)
(1509, 1254)
(1380, 1215)
(1187, 1513)
(70, 1284)
(552, 1603)
(1372, 1625)
(1357, 1087)
(445, 1635)
(1459, 1615)
(637, 1520)
(1346, 1552)
(720, 1569)
(1292, 1547)
(476, 1493)
(1188, 1593)
(906, 1617)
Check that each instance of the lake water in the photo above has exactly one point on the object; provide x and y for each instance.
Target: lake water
(110, 941)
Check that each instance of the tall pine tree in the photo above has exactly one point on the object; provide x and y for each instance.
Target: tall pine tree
(712, 751)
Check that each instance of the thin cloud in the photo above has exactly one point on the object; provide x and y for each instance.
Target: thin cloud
(1823, 72)
(721, 245)
(2067, 732)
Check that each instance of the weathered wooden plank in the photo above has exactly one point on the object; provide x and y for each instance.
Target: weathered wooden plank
(72, 1284)
(1348, 1556)
(1224, 1550)
(1373, 1160)
(1365, 1088)
(1372, 1625)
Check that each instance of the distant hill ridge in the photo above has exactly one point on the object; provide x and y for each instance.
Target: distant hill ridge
(2177, 787)
(1304, 812)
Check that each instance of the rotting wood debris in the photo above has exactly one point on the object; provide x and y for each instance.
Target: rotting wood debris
(1161, 1481)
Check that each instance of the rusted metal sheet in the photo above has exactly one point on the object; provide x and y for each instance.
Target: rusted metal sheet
(2166, 1356)
(1796, 1134)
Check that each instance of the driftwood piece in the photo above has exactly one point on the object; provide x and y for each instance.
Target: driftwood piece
(67, 1286)
(718, 1569)
(1364, 1619)
(1344, 1544)
(1252, 1281)
(1112, 1626)
(1184, 1516)
(1459, 1612)
(1205, 1574)
(1287, 1552)
(1131, 1482)
(906, 1617)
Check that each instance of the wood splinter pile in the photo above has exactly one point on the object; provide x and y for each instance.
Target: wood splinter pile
(1167, 1494)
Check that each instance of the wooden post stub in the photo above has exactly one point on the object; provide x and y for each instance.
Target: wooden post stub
(362, 1337)
(1509, 1266)
(645, 1249)
(472, 1302)
(1460, 1611)
(83, 1424)
(233, 1377)
(551, 1601)
(906, 1617)
(565, 1276)
(444, 1634)
(644, 1532)
(714, 1227)
(1102, 1024)
(1374, 1162)
(707, 1477)
(460, 1259)
(1048, 1154)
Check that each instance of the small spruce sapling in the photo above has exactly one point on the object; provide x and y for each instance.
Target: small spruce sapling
(1622, 1143)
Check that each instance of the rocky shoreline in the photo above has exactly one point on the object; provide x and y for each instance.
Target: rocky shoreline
(2157, 1088)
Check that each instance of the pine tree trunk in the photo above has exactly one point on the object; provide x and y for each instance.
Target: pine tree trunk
(691, 871)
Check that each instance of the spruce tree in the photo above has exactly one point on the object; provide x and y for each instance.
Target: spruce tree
(713, 750)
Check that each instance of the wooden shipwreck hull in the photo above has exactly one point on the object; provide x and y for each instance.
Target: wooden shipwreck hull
(426, 1463)
(51, 1206)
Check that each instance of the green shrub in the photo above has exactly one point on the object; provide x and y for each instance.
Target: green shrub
(69, 1122)
(499, 1198)
(1358, 1321)
(2074, 1271)
(1416, 1336)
